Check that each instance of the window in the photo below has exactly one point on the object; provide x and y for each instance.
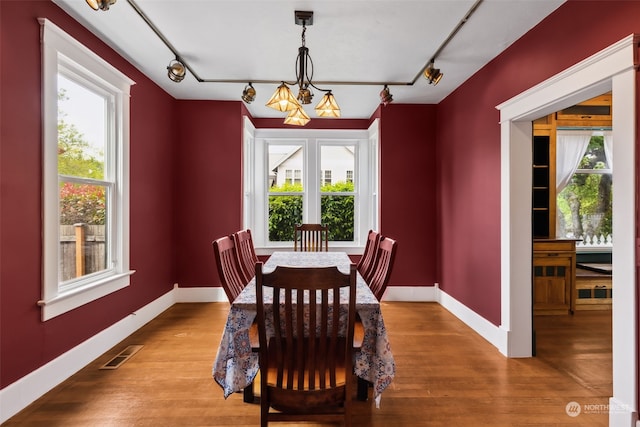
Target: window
(326, 177)
(85, 176)
(584, 203)
(335, 180)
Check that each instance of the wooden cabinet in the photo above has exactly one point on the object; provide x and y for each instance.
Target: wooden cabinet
(554, 273)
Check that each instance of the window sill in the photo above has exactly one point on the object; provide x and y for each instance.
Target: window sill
(74, 298)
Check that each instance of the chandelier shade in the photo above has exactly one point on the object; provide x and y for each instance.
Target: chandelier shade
(283, 99)
(297, 117)
(328, 107)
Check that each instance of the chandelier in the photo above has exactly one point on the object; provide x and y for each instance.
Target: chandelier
(283, 99)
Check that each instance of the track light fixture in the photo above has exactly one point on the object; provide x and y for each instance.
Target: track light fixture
(249, 94)
(283, 99)
(100, 4)
(385, 96)
(176, 70)
(433, 75)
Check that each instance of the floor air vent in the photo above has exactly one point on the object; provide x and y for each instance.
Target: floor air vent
(122, 357)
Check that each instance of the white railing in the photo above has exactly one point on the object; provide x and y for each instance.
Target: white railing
(594, 242)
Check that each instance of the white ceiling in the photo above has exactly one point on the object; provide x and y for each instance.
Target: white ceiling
(380, 41)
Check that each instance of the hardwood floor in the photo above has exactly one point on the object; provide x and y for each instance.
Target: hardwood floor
(446, 375)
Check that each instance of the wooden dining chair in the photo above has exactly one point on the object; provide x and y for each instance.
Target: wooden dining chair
(383, 265)
(246, 252)
(306, 367)
(231, 276)
(311, 238)
(367, 261)
(233, 282)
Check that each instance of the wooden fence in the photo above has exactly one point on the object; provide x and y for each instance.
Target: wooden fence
(86, 258)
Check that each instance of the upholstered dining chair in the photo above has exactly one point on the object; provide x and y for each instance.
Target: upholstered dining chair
(306, 367)
(311, 238)
(385, 257)
(367, 261)
(246, 252)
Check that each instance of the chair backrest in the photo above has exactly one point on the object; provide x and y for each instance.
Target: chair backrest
(247, 257)
(306, 355)
(367, 261)
(233, 281)
(311, 238)
(383, 265)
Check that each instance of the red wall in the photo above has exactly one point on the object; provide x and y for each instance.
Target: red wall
(208, 185)
(28, 343)
(469, 140)
(408, 190)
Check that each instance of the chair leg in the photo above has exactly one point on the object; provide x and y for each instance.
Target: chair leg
(363, 389)
(247, 394)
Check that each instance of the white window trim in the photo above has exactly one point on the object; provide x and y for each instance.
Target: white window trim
(56, 46)
(366, 210)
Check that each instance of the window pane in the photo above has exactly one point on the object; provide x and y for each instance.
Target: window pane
(337, 213)
(585, 204)
(285, 168)
(83, 245)
(284, 213)
(594, 157)
(337, 163)
(81, 130)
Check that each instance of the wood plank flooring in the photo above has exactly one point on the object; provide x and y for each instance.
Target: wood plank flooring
(446, 375)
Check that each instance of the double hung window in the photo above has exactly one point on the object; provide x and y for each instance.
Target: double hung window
(85, 174)
(310, 176)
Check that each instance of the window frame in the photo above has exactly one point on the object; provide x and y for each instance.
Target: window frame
(63, 54)
(255, 209)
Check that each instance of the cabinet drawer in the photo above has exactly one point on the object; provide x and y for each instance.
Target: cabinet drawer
(555, 246)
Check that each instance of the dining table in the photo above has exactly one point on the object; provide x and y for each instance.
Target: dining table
(236, 365)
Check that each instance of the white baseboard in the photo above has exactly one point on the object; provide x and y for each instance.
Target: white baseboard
(27, 389)
(487, 330)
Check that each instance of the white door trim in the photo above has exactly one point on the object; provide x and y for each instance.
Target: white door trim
(613, 68)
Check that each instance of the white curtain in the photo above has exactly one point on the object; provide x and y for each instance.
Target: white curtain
(608, 148)
(570, 148)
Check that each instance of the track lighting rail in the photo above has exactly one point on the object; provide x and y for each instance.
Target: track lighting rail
(173, 50)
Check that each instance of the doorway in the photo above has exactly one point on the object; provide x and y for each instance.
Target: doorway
(609, 70)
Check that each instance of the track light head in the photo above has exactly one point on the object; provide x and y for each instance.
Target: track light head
(100, 4)
(433, 75)
(249, 94)
(385, 96)
(176, 70)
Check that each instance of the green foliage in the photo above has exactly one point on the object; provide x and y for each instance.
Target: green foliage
(588, 196)
(81, 203)
(337, 211)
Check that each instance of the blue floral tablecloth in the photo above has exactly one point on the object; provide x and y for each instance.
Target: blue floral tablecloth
(236, 365)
